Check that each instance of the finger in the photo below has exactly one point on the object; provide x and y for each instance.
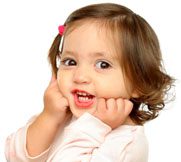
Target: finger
(128, 106)
(120, 104)
(101, 105)
(111, 105)
(53, 77)
(65, 104)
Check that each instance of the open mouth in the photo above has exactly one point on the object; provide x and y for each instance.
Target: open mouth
(83, 99)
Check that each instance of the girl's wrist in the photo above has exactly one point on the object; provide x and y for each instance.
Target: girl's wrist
(51, 119)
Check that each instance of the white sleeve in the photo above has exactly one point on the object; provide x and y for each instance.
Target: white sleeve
(85, 141)
(15, 147)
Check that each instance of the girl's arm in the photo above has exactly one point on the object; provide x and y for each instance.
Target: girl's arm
(90, 140)
(42, 132)
(31, 141)
(80, 139)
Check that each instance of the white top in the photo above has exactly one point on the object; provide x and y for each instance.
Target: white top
(86, 139)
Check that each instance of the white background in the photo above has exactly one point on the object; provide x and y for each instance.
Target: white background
(27, 29)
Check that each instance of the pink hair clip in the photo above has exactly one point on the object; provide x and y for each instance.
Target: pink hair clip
(61, 29)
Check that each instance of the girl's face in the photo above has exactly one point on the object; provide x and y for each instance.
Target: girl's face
(89, 69)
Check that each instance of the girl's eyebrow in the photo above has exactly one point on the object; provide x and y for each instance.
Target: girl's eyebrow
(68, 52)
(93, 54)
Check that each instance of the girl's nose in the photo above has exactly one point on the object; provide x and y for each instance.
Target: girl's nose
(82, 76)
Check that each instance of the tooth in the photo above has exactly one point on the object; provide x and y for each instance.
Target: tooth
(81, 98)
(84, 94)
(84, 99)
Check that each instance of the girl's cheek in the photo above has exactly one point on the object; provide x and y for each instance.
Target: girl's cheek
(62, 84)
(111, 91)
(105, 92)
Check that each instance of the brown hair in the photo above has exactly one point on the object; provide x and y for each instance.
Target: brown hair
(141, 58)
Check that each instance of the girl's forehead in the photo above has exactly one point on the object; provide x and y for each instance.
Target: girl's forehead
(93, 35)
(99, 26)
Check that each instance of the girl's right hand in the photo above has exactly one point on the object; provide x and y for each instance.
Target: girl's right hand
(55, 105)
(42, 131)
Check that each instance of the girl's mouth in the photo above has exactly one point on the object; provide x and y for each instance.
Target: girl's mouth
(82, 98)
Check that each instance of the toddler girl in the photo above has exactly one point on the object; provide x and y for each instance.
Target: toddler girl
(107, 81)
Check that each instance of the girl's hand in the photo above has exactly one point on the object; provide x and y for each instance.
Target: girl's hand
(55, 105)
(42, 131)
(113, 112)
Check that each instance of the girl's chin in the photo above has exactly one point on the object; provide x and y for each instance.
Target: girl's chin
(77, 112)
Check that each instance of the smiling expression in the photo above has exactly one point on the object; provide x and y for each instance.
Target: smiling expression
(90, 69)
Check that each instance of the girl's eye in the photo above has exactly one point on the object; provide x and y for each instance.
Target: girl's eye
(68, 62)
(103, 65)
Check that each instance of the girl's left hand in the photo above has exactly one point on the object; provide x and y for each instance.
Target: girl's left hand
(113, 112)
